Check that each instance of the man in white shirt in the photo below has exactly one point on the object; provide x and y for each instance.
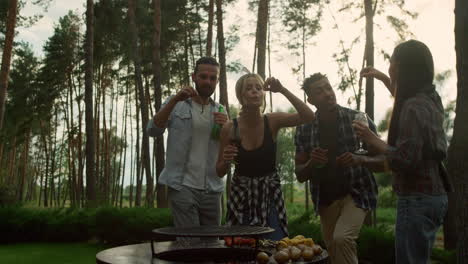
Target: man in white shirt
(194, 188)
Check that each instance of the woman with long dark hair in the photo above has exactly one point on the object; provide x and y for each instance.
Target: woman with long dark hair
(415, 150)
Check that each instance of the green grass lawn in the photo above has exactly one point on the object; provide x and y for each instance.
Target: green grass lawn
(50, 253)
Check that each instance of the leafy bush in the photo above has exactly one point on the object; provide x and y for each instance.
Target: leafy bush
(7, 195)
(109, 225)
(376, 245)
(440, 256)
(386, 198)
(130, 225)
(307, 225)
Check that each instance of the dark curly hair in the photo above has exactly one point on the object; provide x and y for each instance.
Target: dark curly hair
(311, 79)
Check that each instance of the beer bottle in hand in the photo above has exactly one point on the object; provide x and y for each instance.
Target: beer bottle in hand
(216, 129)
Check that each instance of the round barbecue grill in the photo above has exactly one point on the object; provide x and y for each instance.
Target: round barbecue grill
(213, 231)
(201, 245)
(207, 246)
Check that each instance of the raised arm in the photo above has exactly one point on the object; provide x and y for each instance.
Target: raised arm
(374, 73)
(161, 117)
(304, 113)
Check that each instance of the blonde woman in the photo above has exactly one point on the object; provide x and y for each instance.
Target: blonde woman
(249, 142)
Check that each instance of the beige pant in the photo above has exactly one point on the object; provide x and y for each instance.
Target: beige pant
(341, 222)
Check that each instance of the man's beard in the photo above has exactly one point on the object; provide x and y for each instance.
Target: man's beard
(203, 92)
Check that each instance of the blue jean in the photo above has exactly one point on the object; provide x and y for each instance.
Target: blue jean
(273, 221)
(419, 216)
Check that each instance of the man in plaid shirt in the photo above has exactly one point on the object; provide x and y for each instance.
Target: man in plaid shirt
(342, 190)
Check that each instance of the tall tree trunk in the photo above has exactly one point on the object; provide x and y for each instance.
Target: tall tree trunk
(269, 57)
(185, 65)
(6, 56)
(31, 183)
(79, 194)
(24, 165)
(369, 58)
(68, 112)
(137, 154)
(11, 163)
(369, 12)
(72, 142)
(223, 96)
(44, 131)
(161, 194)
(143, 104)
(199, 31)
(53, 147)
(105, 140)
(97, 131)
(62, 188)
(124, 151)
(132, 162)
(90, 135)
(209, 35)
(117, 153)
(262, 25)
(190, 45)
(40, 184)
(457, 165)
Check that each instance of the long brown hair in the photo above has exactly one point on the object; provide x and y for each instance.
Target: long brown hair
(415, 74)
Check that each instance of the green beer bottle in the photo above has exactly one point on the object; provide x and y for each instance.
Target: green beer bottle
(216, 130)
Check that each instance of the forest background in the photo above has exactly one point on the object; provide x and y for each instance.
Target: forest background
(80, 79)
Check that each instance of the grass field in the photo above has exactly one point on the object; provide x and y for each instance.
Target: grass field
(50, 253)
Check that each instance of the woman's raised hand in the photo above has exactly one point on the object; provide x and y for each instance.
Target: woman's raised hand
(274, 85)
(373, 72)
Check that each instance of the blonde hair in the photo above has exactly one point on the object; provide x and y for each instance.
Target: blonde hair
(240, 86)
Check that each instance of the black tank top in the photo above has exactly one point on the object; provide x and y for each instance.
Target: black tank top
(260, 161)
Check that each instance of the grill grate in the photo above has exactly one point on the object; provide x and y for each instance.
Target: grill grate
(213, 231)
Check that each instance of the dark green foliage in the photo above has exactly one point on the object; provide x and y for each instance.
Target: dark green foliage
(109, 225)
(50, 253)
(440, 256)
(386, 198)
(129, 225)
(7, 194)
(22, 92)
(307, 226)
(285, 160)
(376, 246)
